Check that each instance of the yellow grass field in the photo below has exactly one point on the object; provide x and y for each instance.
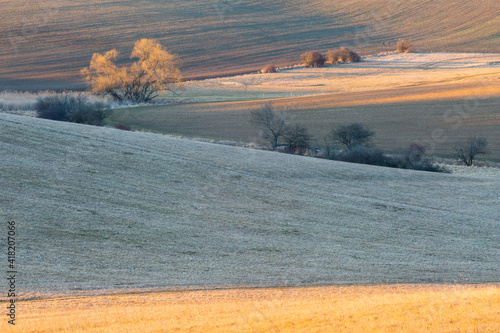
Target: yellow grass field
(383, 308)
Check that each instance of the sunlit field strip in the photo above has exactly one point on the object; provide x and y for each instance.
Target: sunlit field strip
(399, 116)
(393, 308)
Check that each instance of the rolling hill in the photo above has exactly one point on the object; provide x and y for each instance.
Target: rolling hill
(98, 208)
(44, 44)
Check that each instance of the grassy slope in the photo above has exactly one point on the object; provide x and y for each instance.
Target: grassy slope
(45, 44)
(102, 208)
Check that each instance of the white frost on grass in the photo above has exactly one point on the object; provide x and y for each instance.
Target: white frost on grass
(99, 208)
(475, 171)
(436, 60)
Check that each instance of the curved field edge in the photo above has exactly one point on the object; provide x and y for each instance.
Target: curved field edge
(99, 208)
(45, 45)
(435, 123)
(381, 308)
(435, 99)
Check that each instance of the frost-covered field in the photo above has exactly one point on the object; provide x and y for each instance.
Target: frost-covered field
(375, 72)
(98, 208)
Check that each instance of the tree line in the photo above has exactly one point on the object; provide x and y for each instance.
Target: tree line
(352, 143)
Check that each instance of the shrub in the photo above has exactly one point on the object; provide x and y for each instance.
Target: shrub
(90, 114)
(375, 156)
(414, 158)
(76, 109)
(54, 107)
(312, 59)
(414, 153)
(405, 46)
(268, 69)
(364, 155)
(426, 165)
(342, 55)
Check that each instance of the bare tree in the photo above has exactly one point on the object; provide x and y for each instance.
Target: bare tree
(273, 125)
(467, 150)
(352, 135)
(297, 138)
(155, 70)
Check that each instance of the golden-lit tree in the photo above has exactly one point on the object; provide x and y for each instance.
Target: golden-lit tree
(154, 71)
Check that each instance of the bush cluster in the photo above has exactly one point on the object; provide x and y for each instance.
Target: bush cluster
(77, 109)
(375, 156)
(342, 55)
(313, 59)
(316, 59)
(355, 140)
